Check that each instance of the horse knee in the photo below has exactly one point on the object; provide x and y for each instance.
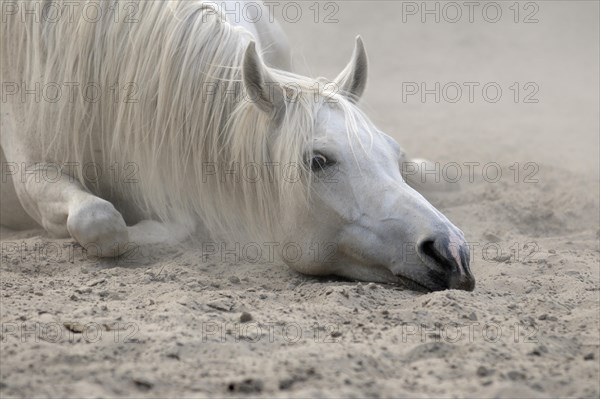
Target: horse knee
(98, 227)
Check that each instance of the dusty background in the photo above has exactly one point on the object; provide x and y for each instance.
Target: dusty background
(168, 322)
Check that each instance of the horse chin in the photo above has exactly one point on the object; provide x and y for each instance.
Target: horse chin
(378, 273)
(423, 286)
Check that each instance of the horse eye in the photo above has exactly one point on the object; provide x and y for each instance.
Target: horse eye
(318, 162)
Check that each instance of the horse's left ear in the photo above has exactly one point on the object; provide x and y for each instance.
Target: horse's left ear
(261, 87)
(352, 81)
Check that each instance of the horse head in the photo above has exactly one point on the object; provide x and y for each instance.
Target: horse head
(363, 221)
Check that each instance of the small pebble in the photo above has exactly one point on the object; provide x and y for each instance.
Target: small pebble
(96, 282)
(502, 258)
(483, 371)
(491, 237)
(515, 375)
(245, 317)
(143, 384)
(249, 385)
(74, 327)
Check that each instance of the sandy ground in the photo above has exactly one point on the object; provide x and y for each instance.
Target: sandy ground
(170, 322)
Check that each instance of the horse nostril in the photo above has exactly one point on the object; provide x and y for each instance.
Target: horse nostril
(427, 249)
(449, 256)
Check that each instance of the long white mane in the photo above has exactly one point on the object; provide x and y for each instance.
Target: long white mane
(181, 113)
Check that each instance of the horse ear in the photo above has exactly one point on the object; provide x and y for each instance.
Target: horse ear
(352, 81)
(261, 88)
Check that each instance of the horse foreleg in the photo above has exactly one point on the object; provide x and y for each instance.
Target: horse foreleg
(12, 214)
(63, 207)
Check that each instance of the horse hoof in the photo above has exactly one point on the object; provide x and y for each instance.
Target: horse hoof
(98, 227)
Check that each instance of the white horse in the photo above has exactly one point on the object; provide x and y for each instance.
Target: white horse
(175, 117)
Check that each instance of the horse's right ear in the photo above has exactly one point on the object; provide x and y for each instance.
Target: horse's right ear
(352, 81)
(262, 90)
